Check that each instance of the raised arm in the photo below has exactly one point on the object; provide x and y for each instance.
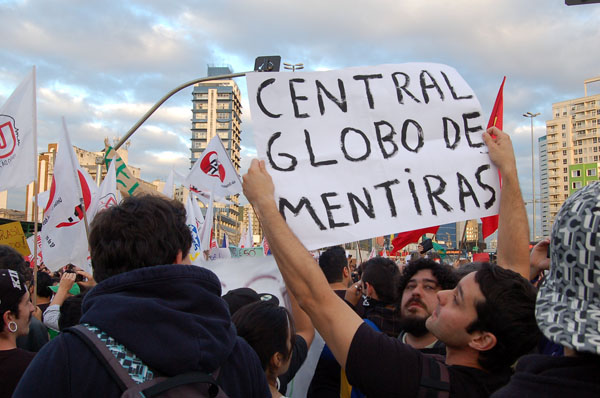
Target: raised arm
(333, 318)
(304, 326)
(513, 227)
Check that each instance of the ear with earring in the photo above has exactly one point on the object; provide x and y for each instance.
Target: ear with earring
(12, 326)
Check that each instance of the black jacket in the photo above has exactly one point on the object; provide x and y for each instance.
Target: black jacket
(543, 376)
(171, 316)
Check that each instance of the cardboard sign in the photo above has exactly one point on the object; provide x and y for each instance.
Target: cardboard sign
(11, 234)
(371, 151)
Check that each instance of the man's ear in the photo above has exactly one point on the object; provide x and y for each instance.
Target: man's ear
(346, 272)
(482, 341)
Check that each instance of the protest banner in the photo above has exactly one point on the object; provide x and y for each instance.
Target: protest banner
(370, 151)
(257, 251)
(11, 234)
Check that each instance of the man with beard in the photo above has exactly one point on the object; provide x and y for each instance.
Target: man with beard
(418, 285)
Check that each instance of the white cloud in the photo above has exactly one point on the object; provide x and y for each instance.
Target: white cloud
(103, 64)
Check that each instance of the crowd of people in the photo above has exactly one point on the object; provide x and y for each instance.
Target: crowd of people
(527, 325)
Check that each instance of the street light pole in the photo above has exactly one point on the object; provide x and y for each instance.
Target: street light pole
(293, 67)
(531, 116)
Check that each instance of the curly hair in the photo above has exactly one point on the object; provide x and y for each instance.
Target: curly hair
(445, 275)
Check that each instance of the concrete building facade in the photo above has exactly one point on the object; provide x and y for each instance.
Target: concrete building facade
(573, 150)
(217, 110)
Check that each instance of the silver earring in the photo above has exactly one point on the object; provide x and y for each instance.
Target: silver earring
(12, 326)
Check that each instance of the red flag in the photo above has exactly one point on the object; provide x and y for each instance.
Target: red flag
(490, 223)
(404, 238)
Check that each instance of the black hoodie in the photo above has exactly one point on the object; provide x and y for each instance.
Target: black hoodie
(171, 316)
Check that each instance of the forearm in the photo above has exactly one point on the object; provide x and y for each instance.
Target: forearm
(513, 226)
(304, 326)
(300, 272)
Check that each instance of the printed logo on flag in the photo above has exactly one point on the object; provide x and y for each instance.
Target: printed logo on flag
(107, 201)
(211, 166)
(9, 136)
(78, 212)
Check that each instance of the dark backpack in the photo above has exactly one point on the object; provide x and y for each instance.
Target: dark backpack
(135, 378)
(435, 378)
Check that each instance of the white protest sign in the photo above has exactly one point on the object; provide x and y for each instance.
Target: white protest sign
(260, 274)
(371, 151)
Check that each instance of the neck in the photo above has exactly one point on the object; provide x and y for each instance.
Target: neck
(272, 381)
(338, 286)
(463, 357)
(8, 341)
(420, 342)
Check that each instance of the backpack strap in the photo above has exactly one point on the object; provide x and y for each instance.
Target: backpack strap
(435, 378)
(183, 379)
(99, 348)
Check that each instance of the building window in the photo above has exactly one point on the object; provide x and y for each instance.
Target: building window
(565, 170)
(222, 115)
(596, 158)
(564, 161)
(576, 185)
(565, 187)
(566, 179)
(222, 125)
(580, 151)
(590, 172)
(564, 144)
(576, 173)
(222, 105)
(564, 126)
(574, 151)
(200, 125)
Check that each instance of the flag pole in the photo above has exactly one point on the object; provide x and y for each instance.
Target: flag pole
(36, 188)
(76, 175)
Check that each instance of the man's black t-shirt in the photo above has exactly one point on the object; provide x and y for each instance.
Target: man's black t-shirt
(12, 366)
(381, 366)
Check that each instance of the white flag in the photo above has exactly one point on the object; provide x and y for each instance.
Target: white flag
(64, 238)
(214, 172)
(243, 239)
(107, 195)
(18, 136)
(194, 221)
(168, 189)
(207, 226)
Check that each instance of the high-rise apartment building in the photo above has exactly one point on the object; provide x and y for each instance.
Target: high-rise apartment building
(544, 189)
(573, 150)
(217, 110)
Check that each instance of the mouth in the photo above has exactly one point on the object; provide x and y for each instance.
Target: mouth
(412, 304)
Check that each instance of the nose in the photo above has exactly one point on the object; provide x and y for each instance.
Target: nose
(442, 296)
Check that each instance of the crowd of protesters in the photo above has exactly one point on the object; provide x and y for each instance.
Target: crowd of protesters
(527, 325)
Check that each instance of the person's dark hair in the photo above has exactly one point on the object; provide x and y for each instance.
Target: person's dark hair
(12, 259)
(445, 275)
(44, 281)
(383, 274)
(508, 312)
(70, 312)
(142, 231)
(332, 261)
(265, 327)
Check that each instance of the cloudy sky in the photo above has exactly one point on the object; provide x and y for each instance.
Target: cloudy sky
(102, 64)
